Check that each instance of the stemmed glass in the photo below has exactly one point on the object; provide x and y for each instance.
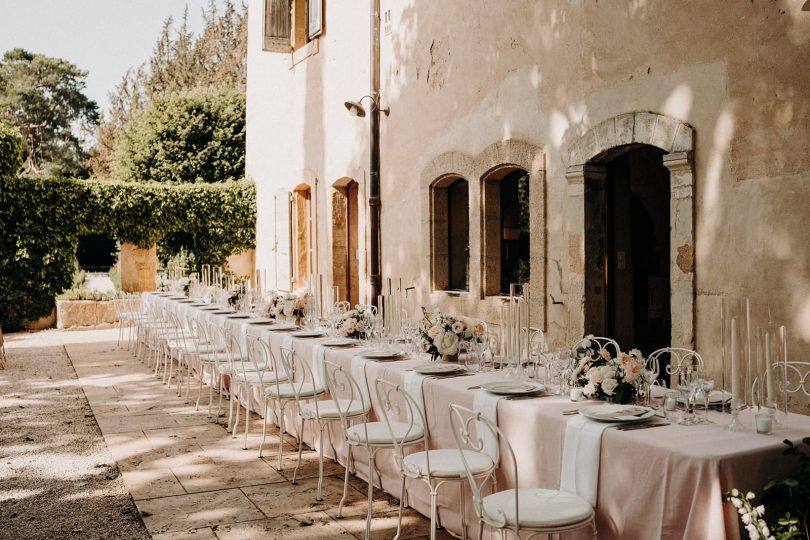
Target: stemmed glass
(688, 385)
(649, 374)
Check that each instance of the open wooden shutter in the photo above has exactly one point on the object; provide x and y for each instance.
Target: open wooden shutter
(315, 15)
(277, 20)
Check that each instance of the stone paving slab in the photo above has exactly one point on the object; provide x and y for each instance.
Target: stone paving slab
(192, 480)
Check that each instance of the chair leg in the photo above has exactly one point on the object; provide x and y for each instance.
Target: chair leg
(220, 390)
(318, 497)
(231, 402)
(247, 415)
(463, 508)
(264, 424)
(371, 453)
(280, 434)
(480, 529)
(300, 447)
(433, 513)
(345, 484)
(399, 515)
(211, 390)
(235, 429)
(199, 389)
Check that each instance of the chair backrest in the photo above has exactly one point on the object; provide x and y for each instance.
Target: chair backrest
(394, 401)
(795, 376)
(299, 374)
(463, 423)
(588, 342)
(261, 357)
(344, 390)
(679, 358)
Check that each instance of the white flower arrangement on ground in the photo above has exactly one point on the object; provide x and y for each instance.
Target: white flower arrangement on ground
(601, 376)
(355, 322)
(440, 334)
(751, 516)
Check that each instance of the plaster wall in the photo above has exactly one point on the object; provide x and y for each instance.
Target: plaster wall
(461, 77)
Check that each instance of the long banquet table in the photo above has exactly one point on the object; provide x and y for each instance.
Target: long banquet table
(664, 483)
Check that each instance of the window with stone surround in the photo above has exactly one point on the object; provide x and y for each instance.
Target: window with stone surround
(290, 25)
(506, 220)
(450, 226)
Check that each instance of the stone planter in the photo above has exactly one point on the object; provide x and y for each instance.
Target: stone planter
(78, 314)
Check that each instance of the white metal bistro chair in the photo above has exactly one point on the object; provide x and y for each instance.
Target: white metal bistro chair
(608, 344)
(373, 436)
(520, 510)
(310, 408)
(433, 467)
(677, 358)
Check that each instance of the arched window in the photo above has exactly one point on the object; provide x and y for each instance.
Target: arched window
(507, 211)
(300, 236)
(450, 219)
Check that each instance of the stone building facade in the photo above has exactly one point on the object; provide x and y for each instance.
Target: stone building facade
(663, 146)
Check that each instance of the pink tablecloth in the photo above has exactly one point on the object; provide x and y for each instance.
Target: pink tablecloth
(664, 483)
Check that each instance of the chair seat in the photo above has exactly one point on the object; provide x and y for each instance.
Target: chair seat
(446, 463)
(328, 410)
(287, 390)
(539, 508)
(378, 433)
(189, 346)
(251, 376)
(218, 357)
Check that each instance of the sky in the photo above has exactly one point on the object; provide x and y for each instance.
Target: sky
(104, 37)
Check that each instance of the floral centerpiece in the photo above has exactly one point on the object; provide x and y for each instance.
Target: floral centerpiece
(440, 334)
(355, 322)
(287, 305)
(603, 377)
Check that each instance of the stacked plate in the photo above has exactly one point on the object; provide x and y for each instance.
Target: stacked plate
(513, 388)
(617, 414)
(307, 333)
(379, 354)
(338, 342)
(439, 369)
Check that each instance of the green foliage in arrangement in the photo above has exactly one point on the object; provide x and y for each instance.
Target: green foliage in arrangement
(191, 136)
(41, 221)
(12, 147)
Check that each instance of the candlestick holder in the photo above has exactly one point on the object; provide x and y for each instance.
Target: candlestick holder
(737, 424)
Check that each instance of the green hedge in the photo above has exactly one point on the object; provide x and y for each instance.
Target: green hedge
(41, 221)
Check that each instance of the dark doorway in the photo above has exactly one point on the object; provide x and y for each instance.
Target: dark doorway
(458, 235)
(627, 228)
(514, 229)
(96, 253)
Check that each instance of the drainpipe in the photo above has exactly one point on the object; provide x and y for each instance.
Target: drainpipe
(374, 203)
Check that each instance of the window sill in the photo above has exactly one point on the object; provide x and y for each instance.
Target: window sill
(453, 294)
(302, 53)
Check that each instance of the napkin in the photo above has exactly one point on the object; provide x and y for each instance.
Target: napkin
(318, 366)
(487, 404)
(359, 375)
(413, 386)
(580, 462)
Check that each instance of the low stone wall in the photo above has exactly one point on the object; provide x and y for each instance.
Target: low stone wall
(77, 314)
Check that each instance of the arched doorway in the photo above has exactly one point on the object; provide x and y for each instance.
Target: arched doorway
(627, 252)
(602, 154)
(345, 260)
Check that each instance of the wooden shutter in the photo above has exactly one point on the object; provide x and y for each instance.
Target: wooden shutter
(277, 25)
(315, 15)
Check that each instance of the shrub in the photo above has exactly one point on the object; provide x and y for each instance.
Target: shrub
(84, 294)
(190, 136)
(41, 221)
(12, 148)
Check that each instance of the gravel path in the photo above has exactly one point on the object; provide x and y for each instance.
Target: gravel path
(57, 477)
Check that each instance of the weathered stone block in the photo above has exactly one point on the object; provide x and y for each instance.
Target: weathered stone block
(84, 313)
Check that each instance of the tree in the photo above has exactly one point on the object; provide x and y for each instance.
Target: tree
(12, 149)
(191, 136)
(44, 98)
(217, 58)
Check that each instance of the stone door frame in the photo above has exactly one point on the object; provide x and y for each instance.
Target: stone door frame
(587, 158)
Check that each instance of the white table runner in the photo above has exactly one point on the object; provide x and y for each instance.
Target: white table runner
(582, 449)
(413, 387)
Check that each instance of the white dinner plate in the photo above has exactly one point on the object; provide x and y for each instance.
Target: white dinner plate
(610, 412)
(338, 342)
(513, 388)
(283, 327)
(380, 354)
(307, 333)
(197, 304)
(438, 369)
(238, 316)
(262, 320)
(716, 397)
(223, 312)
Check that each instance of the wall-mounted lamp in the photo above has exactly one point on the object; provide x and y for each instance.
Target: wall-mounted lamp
(356, 108)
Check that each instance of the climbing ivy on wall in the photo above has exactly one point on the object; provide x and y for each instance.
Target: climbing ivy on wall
(41, 221)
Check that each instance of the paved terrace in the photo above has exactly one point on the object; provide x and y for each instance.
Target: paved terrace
(187, 477)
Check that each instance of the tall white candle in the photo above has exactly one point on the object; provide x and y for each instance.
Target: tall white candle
(735, 379)
(748, 350)
(768, 373)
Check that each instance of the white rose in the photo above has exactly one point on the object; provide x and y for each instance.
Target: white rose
(595, 376)
(609, 385)
(448, 343)
(589, 389)
(360, 326)
(435, 331)
(458, 327)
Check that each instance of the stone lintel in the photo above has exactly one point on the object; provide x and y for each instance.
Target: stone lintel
(576, 174)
